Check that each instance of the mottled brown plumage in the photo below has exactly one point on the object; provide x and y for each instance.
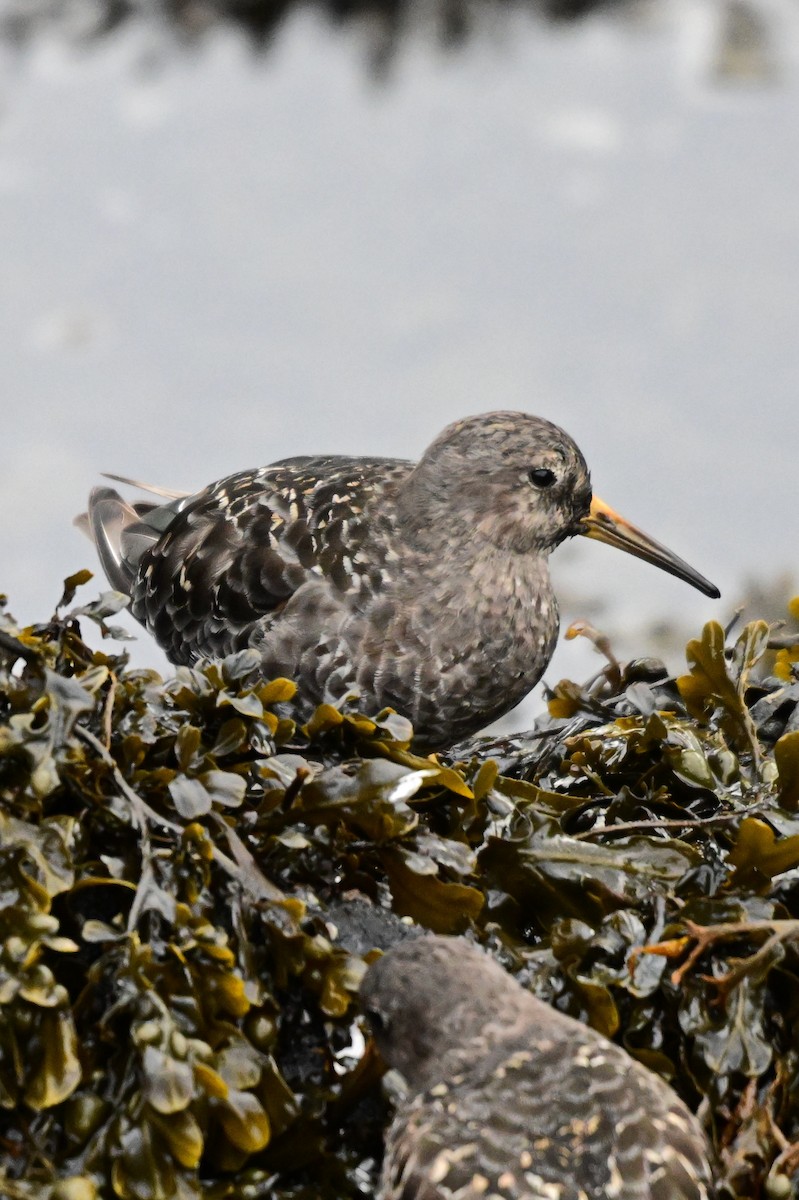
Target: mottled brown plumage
(509, 1099)
(423, 587)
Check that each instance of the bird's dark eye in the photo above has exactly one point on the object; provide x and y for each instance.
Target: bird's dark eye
(542, 477)
(377, 1020)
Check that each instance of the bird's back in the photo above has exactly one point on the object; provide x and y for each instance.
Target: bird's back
(205, 571)
(539, 1117)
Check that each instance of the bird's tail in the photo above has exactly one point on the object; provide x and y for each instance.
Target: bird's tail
(168, 493)
(123, 532)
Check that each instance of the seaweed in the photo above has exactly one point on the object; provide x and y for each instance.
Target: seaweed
(191, 885)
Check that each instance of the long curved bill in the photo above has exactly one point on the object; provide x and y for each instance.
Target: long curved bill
(606, 525)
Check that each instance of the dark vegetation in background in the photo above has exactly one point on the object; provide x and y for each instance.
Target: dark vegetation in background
(744, 47)
(260, 18)
(384, 22)
(189, 884)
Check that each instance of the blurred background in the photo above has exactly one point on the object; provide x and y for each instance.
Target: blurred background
(236, 230)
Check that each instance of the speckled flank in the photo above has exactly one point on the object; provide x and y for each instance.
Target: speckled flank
(510, 1099)
(424, 587)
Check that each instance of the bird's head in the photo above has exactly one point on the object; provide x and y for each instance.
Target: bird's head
(519, 483)
(507, 479)
(430, 995)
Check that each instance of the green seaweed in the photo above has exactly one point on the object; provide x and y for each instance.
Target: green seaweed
(191, 885)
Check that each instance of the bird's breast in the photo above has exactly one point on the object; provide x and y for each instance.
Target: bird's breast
(456, 646)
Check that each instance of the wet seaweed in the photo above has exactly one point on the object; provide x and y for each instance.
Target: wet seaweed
(191, 885)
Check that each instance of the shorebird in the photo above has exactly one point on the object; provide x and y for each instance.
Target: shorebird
(509, 1099)
(420, 586)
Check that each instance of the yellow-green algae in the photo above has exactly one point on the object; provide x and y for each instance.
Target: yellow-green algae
(189, 884)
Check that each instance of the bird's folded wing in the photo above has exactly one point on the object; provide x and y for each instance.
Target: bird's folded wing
(574, 1132)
